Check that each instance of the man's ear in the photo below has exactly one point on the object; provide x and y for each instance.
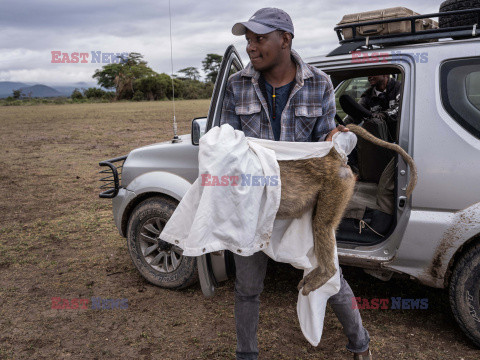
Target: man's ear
(286, 40)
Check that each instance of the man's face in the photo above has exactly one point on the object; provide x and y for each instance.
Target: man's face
(264, 50)
(378, 80)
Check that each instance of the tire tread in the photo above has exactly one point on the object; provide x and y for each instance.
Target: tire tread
(167, 207)
(465, 265)
(458, 20)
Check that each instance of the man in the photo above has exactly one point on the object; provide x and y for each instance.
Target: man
(382, 99)
(279, 97)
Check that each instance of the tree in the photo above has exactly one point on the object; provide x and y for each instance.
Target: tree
(123, 75)
(211, 66)
(190, 73)
(17, 94)
(76, 95)
(138, 96)
(155, 87)
(93, 93)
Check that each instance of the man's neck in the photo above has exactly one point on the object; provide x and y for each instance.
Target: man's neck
(281, 74)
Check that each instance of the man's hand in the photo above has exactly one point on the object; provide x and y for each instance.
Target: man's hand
(337, 129)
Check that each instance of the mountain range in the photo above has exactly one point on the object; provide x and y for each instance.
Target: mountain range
(40, 90)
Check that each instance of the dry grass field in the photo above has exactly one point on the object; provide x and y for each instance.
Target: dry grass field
(57, 239)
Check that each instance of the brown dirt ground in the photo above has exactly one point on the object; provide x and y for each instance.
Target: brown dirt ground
(57, 239)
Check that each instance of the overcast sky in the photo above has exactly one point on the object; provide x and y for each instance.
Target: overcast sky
(30, 30)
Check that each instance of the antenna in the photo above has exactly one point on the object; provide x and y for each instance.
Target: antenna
(175, 136)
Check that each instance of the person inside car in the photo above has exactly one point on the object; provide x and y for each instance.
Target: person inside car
(381, 101)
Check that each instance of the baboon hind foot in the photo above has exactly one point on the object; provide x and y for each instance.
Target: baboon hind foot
(316, 278)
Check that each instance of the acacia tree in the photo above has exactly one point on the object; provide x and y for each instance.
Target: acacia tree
(154, 87)
(211, 66)
(122, 76)
(17, 94)
(190, 73)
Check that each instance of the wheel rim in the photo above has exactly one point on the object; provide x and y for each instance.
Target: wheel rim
(158, 254)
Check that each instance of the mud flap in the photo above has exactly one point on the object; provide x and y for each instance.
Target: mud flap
(205, 275)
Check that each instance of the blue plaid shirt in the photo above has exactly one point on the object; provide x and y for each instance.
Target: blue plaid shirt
(307, 116)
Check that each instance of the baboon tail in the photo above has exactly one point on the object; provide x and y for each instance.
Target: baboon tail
(357, 130)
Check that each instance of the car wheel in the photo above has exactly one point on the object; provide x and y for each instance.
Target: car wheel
(460, 19)
(465, 293)
(159, 262)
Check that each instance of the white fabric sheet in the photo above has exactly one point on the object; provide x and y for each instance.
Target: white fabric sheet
(241, 218)
(236, 218)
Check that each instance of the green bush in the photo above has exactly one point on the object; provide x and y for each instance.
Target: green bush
(108, 95)
(138, 96)
(76, 95)
(94, 93)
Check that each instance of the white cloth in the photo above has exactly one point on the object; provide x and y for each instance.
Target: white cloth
(236, 218)
(242, 218)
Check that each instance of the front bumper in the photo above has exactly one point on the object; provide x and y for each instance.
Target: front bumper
(111, 176)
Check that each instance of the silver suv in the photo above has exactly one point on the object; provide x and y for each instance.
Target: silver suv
(434, 237)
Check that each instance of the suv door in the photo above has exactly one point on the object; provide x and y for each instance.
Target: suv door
(231, 63)
(218, 266)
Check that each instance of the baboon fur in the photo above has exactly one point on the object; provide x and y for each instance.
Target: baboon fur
(326, 184)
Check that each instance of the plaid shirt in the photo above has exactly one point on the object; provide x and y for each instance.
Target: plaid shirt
(308, 115)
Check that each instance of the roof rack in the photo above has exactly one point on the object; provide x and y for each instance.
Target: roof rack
(357, 41)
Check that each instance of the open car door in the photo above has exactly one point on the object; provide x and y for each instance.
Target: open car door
(216, 267)
(231, 64)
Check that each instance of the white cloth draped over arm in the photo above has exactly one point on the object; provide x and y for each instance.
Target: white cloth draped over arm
(241, 218)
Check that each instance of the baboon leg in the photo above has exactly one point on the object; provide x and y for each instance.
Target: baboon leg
(324, 252)
(328, 213)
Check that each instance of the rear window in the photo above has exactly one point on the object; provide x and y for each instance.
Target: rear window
(460, 91)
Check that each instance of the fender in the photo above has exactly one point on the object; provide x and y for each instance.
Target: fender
(445, 233)
(160, 182)
(155, 182)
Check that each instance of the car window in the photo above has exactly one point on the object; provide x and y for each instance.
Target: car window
(472, 82)
(353, 87)
(356, 87)
(460, 91)
(231, 63)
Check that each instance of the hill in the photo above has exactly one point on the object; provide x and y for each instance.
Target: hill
(7, 87)
(40, 91)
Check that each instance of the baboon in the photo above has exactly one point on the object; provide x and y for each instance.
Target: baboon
(326, 184)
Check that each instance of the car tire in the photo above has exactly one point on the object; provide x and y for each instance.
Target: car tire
(461, 19)
(159, 262)
(464, 291)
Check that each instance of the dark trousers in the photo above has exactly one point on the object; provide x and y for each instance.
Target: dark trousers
(250, 274)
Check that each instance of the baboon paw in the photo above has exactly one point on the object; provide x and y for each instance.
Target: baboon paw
(300, 284)
(313, 281)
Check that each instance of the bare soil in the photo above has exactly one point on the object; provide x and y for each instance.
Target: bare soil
(57, 239)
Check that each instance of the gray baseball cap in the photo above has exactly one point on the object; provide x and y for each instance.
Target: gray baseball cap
(265, 21)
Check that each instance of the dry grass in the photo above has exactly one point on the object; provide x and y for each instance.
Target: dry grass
(57, 238)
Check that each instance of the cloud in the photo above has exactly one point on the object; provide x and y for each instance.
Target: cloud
(32, 29)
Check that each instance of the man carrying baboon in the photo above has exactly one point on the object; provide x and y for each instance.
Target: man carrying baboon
(279, 97)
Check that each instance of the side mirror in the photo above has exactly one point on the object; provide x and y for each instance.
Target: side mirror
(199, 126)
